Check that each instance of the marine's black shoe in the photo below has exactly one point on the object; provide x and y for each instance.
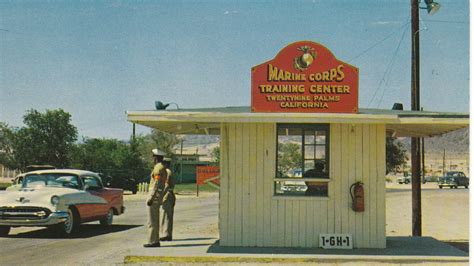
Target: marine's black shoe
(152, 245)
(168, 238)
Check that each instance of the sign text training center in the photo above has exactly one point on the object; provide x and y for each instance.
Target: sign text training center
(303, 162)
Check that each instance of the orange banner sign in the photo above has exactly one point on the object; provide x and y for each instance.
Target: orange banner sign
(305, 77)
(206, 174)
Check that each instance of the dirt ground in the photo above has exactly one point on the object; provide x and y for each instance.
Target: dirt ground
(445, 213)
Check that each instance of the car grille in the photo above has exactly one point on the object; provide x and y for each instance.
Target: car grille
(23, 213)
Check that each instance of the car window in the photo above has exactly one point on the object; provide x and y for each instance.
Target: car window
(92, 182)
(51, 180)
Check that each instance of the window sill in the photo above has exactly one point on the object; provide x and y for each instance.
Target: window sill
(300, 198)
(327, 180)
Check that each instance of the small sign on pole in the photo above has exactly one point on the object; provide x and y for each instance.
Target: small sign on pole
(207, 175)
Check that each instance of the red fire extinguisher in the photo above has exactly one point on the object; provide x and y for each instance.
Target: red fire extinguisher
(357, 195)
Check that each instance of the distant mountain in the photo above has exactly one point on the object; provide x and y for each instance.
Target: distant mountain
(456, 142)
(194, 140)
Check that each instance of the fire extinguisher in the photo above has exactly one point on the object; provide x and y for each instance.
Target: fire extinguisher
(357, 195)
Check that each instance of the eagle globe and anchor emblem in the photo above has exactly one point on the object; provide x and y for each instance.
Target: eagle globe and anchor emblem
(303, 62)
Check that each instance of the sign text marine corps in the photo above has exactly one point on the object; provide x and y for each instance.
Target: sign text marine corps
(305, 77)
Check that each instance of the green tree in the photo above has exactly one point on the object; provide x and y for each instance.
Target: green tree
(164, 141)
(396, 156)
(216, 154)
(119, 162)
(7, 157)
(47, 138)
(289, 158)
(156, 139)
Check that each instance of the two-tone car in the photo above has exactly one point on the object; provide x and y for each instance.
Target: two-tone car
(59, 198)
(454, 179)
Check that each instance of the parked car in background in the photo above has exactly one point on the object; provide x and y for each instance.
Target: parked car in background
(407, 180)
(404, 179)
(453, 179)
(59, 198)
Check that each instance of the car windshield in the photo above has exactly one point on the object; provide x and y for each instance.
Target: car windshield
(51, 180)
(452, 174)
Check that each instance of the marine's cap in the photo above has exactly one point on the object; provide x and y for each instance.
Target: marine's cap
(166, 159)
(157, 152)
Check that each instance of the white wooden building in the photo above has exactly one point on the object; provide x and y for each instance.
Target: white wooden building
(252, 209)
(289, 160)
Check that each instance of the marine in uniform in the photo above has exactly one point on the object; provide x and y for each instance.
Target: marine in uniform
(158, 180)
(316, 188)
(169, 201)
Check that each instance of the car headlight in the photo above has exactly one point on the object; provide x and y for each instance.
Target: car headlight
(54, 200)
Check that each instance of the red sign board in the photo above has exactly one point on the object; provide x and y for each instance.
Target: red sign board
(205, 174)
(305, 77)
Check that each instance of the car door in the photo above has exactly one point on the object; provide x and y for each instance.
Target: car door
(464, 180)
(97, 208)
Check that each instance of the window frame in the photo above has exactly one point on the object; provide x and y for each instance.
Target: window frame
(326, 127)
(101, 185)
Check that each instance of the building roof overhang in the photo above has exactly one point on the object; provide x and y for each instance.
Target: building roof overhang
(208, 120)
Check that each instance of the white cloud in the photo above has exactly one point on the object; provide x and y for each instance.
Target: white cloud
(386, 22)
(227, 12)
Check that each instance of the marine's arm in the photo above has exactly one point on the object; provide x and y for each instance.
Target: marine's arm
(160, 176)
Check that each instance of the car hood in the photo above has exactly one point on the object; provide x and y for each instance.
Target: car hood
(39, 196)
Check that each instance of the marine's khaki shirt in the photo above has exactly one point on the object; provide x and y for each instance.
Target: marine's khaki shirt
(158, 179)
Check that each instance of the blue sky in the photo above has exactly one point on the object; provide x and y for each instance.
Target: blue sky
(97, 59)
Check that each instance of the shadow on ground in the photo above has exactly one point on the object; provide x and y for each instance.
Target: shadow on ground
(84, 231)
(194, 239)
(396, 246)
(462, 245)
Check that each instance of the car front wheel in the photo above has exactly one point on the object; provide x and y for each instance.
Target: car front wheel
(108, 220)
(4, 230)
(71, 224)
(440, 187)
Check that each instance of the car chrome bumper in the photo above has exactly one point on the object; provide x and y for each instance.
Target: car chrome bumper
(52, 219)
(447, 185)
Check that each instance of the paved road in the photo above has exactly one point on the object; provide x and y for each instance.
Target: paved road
(445, 212)
(445, 217)
(196, 218)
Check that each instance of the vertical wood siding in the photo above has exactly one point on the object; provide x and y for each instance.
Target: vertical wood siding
(249, 214)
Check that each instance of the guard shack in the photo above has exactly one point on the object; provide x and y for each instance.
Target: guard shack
(293, 164)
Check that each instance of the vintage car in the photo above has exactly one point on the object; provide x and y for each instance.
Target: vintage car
(59, 198)
(453, 179)
(407, 179)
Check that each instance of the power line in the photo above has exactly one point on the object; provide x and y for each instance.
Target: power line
(391, 67)
(388, 66)
(377, 43)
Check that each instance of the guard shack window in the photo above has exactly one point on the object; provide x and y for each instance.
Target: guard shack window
(302, 160)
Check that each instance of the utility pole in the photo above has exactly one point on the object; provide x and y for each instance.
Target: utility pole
(181, 163)
(133, 132)
(444, 162)
(423, 168)
(415, 106)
